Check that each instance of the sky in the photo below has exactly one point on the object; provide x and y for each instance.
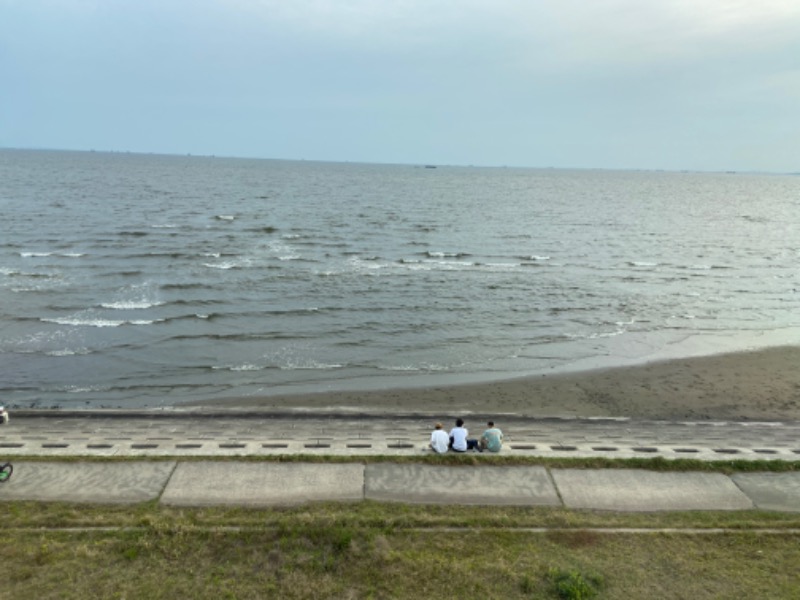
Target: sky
(710, 85)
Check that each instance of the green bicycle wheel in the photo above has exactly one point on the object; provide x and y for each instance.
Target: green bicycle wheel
(5, 472)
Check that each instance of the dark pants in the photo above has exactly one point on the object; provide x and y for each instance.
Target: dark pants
(471, 445)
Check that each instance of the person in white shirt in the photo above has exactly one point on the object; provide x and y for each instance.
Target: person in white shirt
(458, 438)
(440, 441)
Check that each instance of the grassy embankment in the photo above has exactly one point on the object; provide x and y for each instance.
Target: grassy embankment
(375, 550)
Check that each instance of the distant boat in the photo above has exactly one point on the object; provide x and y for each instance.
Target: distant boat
(430, 166)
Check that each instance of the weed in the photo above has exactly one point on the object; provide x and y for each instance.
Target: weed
(573, 585)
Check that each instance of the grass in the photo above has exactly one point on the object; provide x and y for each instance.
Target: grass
(376, 550)
(391, 550)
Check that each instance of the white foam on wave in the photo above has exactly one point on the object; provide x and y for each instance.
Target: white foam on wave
(225, 217)
(446, 254)
(75, 389)
(245, 367)
(68, 352)
(536, 258)
(421, 368)
(47, 254)
(311, 366)
(88, 322)
(594, 335)
(639, 263)
(130, 304)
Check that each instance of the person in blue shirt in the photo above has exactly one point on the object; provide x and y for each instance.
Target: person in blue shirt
(492, 439)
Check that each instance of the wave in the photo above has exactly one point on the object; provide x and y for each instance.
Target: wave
(431, 254)
(309, 366)
(69, 352)
(48, 254)
(534, 257)
(225, 217)
(89, 322)
(14, 273)
(125, 273)
(185, 286)
(635, 263)
(243, 367)
(131, 304)
(701, 267)
(225, 266)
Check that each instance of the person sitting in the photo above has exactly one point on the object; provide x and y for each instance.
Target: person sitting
(458, 438)
(440, 441)
(492, 439)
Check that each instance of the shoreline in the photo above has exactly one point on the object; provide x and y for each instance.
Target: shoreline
(752, 385)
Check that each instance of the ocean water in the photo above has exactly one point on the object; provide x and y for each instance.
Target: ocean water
(141, 280)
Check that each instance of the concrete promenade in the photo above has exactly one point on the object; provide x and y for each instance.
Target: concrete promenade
(209, 481)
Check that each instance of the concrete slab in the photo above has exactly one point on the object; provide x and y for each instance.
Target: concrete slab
(262, 484)
(638, 490)
(771, 491)
(102, 483)
(427, 484)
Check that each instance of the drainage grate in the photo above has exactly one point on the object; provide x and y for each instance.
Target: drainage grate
(317, 445)
(645, 449)
(143, 446)
(400, 445)
(187, 446)
(726, 451)
(687, 450)
(764, 451)
(11, 445)
(276, 445)
(523, 447)
(53, 445)
(564, 448)
(233, 445)
(605, 448)
(359, 445)
(98, 446)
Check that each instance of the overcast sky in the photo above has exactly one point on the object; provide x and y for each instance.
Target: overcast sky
(653, 84)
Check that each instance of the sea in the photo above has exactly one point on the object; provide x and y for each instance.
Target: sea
(135, 280)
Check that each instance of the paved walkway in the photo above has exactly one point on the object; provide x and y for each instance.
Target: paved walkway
(214, 482)
(260, 433)
(237, 483)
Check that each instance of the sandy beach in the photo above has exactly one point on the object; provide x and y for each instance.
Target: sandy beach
(757, 385)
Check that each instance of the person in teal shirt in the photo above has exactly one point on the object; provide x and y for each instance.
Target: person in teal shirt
(492, 439)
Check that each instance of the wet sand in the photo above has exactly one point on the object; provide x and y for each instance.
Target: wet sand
(757, 385)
